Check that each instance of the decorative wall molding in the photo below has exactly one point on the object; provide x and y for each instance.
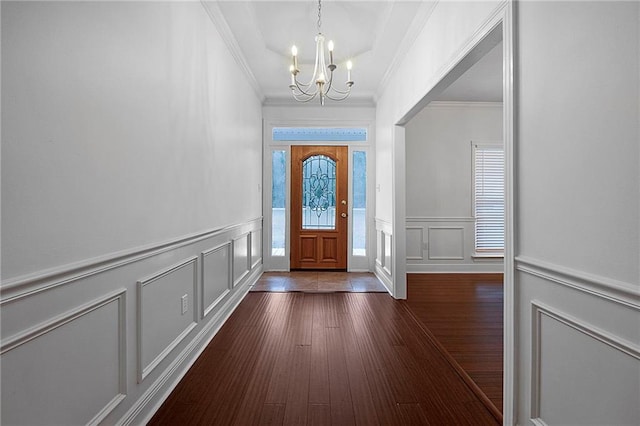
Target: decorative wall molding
(616, 291)
(272, 100)
(454, 268)
(237, 263)
(168, 356)
(461, 104)
(538, 422)
(418, 24)
(419, 230)
(256, 257)
(431, 259)
(221, 25)
(538, 310)
(144, 370)
(413, 219)
(383, 225)
(484, 30)
(146, 406)
(228, 247)
(384, 243)
(384, 277)
(19, 287)
(118, 296)
(387, 252)
(432, 230)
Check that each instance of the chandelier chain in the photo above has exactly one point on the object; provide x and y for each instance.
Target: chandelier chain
(319, 15)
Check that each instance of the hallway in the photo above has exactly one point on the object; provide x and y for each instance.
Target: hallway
(314, 358)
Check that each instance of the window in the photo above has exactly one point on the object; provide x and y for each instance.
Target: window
(341, 134)
(278, 201)
(359, 211)
(488, 198)
(319, 193)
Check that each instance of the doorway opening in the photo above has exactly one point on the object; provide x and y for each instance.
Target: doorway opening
(319, 207)
(456, 215)
(318, 198)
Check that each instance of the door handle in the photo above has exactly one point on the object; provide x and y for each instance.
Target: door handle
(343, 215)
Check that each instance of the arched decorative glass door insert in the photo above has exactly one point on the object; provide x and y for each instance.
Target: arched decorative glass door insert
(319, 208)
(319, 193)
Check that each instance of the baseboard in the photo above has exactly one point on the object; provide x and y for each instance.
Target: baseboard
(485, 268)
(149, 403)
(384, 278)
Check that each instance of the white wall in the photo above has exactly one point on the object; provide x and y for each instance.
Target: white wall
(131, 173)
(119, 127)
(578, 215)
(439, 172)
(448, 34)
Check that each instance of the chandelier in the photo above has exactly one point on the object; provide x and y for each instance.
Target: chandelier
(321, 82)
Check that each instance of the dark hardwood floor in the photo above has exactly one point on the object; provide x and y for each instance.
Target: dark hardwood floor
(322, 359)
(464, 312)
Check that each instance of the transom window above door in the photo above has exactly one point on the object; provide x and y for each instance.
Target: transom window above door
(339, 134)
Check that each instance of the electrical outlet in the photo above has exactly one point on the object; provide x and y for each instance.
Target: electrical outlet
(185, 303)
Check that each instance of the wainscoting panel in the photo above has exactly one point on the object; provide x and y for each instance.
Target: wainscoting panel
(388, 259)
(241, 257)
(415, 243)
(166, 313)
(564, 391)
(71, 370)
(256, 248)
(384, 253)
(105, 340)
(579, 345)
(216, 276)
(445, 245)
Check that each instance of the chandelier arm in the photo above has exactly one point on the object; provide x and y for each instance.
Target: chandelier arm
(343, 92)
(343, 97)
(304, 100)
(330, 82)
(304, 92)
(306, 86)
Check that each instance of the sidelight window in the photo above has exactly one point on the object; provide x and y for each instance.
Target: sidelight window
(359, 203)
(278, 201)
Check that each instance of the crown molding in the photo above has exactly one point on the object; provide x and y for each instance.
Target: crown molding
(288, 101)
(464, 104)
(216, 16)
(418, 23)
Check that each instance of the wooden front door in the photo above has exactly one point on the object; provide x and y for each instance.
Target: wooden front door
(319, 176)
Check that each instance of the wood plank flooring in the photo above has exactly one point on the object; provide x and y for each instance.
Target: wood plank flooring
(464, 312)
(322, 359)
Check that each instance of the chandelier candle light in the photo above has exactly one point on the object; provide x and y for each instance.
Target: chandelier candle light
(323, 88)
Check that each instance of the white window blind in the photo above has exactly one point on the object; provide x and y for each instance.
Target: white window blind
(489, 198)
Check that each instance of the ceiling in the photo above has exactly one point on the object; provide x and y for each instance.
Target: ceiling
(372, 34)
(480, 83)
